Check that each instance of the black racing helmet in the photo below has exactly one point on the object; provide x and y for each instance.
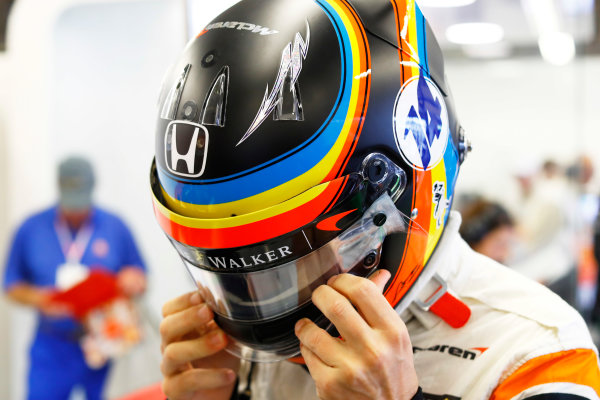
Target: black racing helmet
(296, 140)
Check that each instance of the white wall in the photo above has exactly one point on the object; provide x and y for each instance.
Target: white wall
(519, 112)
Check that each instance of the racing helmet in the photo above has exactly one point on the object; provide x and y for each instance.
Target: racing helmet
(296, 140)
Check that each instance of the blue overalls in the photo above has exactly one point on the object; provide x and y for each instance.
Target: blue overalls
(57, 363)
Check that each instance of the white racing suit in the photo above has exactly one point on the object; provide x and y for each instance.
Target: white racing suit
(521, 341)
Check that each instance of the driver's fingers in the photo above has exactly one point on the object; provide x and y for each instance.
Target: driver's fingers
(339, 310)
(319, 342)
(178, 354)
(176, 325)
(365, 295)
(181, 303)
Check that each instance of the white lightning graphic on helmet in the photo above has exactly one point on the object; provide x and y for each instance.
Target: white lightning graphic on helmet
(291, 62)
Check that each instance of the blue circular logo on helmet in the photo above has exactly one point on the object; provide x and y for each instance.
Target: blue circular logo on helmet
(421, 125)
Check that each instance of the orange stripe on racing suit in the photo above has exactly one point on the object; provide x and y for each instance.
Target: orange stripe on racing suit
(573, 366)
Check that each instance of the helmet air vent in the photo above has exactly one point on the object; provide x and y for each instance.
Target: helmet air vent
(213, 112)
(171, 103)
(289, 103)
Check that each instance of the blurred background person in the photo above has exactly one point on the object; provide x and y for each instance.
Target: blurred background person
(54, 250)
(524, 173)
(546, 249)
(544, 212)
(488, 229)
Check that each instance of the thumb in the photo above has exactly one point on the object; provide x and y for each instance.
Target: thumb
(380, 278)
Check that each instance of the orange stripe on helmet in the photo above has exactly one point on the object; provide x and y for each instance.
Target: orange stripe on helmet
(243, 235)
(407, 39)
(396, 4)
(578, 366)
(364, 88)
(416, 240)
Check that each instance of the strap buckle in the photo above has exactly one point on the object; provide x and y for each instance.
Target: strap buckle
(446, 306)
(432, 299)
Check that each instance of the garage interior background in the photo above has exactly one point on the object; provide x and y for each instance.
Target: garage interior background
(82, 76)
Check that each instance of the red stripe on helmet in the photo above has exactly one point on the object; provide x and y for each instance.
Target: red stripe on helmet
(255, 232)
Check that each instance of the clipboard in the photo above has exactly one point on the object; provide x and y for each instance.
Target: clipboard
(99, 288)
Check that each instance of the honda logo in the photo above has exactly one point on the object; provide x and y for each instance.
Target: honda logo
(186, 145)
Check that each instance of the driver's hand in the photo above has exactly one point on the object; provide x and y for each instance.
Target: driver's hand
(194, 364)
(373, 359)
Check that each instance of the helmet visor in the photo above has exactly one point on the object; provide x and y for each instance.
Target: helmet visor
(258, 309)
(272, 292)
